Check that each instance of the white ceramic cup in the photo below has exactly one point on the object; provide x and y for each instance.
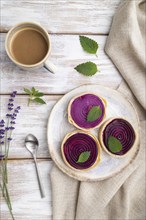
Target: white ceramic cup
(45, 61)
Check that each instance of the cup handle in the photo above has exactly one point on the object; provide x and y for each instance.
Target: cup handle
(50, 66)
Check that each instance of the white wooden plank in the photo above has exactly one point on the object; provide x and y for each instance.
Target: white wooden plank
(32, 119)
(61, 16)
(24, 191)
(66, 54)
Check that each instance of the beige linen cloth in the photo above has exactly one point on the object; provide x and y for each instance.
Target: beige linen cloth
(122, 196)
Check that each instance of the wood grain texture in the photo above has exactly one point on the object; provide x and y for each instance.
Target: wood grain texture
(24, 191)
(61, 16)
(66, 54)
(32, 119)
(71, 18)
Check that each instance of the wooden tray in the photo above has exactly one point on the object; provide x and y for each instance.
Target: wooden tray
(58, 127)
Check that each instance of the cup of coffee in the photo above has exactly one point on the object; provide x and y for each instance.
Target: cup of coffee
(28, 45)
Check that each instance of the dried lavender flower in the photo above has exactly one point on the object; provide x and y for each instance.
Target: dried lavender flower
(1, 157)
(16, 111)
(13, 94)
(12, 122)
(13, 118)
(11, 128)
(2, 131)
(10, 109)
(11, 100)
(5, 138)
(8, 115)
(10, 104)
(7, 128)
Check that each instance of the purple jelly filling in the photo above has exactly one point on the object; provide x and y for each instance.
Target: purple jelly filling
(75, 145)
(80, 108)
(123, 131)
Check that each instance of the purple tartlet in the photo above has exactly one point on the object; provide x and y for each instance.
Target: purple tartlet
(76, 143)
(79, 108)
(120, 129)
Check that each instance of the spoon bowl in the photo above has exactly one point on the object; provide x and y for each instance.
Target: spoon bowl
(31, 143)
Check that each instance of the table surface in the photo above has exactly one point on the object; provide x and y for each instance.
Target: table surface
(65, 20)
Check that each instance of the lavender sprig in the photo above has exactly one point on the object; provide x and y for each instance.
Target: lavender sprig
(6, 129)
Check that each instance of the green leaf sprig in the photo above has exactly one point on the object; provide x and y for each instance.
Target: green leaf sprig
(114, 144)
(34, 96)
(84, 156)
(94, 113)
(90, 46)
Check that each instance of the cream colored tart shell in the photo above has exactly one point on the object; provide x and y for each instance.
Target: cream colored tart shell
(97, 144)
(70, 119)
(104, 147)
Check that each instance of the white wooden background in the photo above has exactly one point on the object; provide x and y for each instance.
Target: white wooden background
(65, 20)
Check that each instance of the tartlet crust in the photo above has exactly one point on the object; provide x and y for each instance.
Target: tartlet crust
(70, 119)
(97, 144)
(100, 134)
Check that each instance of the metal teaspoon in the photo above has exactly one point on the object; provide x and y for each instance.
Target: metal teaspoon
(31, 143)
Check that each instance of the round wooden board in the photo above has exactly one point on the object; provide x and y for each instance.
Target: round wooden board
(58, 127)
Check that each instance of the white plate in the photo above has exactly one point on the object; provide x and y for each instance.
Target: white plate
(58, 127)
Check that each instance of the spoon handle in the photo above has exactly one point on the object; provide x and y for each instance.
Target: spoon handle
(39, 179)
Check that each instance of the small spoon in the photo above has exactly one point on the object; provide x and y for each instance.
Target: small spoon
(31, 143)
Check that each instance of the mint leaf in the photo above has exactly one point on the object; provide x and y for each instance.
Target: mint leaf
(87, 69)
(83, 157)
(114, 144)
(33, 90)
(34, 96)
(41, 101)
(27, 91)
(39, 94)
(88, 44)
(94, 113)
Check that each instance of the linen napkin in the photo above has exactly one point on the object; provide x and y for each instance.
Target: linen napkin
(122, 196)
(126, 46)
